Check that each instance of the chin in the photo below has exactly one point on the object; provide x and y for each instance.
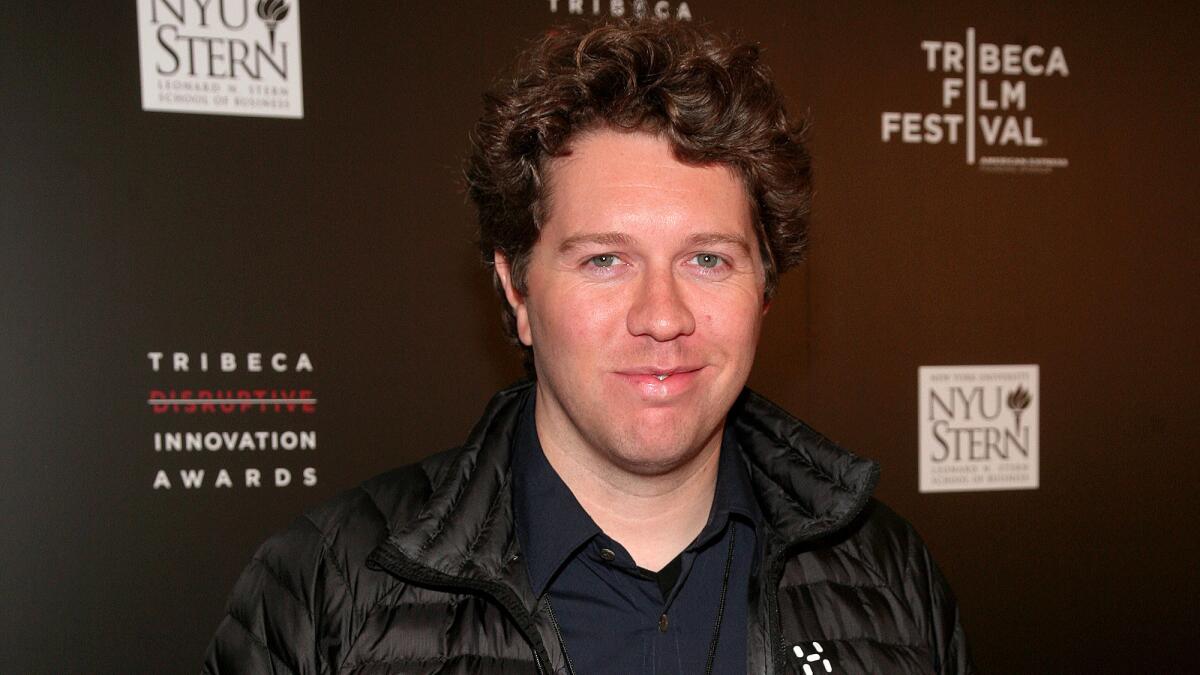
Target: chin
(645, 452)
(650, 463)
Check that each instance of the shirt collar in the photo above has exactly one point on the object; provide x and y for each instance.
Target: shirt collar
(733, 495)
(552, 526)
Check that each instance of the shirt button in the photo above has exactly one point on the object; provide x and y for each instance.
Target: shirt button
(607, 554)
(662, 623)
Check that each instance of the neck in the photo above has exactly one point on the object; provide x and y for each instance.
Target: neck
(654, 516)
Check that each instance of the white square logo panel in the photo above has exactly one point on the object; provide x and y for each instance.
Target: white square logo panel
(978, 428)
(221, 57)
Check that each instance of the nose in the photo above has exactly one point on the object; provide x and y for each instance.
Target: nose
(659, 309)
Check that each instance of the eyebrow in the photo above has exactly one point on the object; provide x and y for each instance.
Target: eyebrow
(709, 238)
(599, 238)
(622, 239)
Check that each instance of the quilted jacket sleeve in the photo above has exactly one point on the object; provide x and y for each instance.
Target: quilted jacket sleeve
(269, 625)
(946, 635)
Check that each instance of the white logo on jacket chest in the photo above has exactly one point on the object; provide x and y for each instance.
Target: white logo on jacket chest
(816, 655)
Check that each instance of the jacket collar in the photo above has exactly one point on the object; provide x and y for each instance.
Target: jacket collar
(807, 488)
(465, 528)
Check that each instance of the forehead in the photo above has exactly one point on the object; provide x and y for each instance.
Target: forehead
(632, 181)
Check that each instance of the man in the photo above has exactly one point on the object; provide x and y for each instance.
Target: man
(631, 508)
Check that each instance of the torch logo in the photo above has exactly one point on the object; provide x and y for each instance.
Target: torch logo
(272, 12)
(1018, 400)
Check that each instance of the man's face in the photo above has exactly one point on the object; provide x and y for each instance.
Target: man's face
(644, 302)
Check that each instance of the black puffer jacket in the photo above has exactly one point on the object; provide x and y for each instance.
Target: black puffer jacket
(418, 571)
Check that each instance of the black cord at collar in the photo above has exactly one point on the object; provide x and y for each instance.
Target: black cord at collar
(712, 645)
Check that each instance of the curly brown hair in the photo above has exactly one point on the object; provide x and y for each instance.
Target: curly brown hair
(709, 95)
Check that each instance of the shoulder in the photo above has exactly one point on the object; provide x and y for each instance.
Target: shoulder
(351, 524)
(344, 530)
(886, 540)
(306, 593)
(876, 584)
(878, 548)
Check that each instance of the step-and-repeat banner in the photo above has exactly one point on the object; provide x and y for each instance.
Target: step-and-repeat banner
(238, 278)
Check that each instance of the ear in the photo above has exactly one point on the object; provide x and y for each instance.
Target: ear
(515, 299)
(766, 307)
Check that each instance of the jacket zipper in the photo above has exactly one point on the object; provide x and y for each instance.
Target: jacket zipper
(774, 576)
(406, 570)
(777, 562)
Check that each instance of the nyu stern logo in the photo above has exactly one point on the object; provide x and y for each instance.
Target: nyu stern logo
(230, 57)
(214, 39)
(966, 423)
(978, 427)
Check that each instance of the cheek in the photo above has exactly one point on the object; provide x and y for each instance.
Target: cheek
(733, 321)
(576, 323)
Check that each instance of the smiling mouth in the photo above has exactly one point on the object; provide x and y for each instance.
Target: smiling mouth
(660, 384)
(661, 375)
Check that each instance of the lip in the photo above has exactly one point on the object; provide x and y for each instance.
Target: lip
(645, 382)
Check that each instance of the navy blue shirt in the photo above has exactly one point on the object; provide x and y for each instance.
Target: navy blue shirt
(614, 616)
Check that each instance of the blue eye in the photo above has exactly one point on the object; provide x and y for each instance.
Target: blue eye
(604, 260)
(707, 260)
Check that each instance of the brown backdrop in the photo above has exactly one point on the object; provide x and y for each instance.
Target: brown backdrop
(345, 235)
